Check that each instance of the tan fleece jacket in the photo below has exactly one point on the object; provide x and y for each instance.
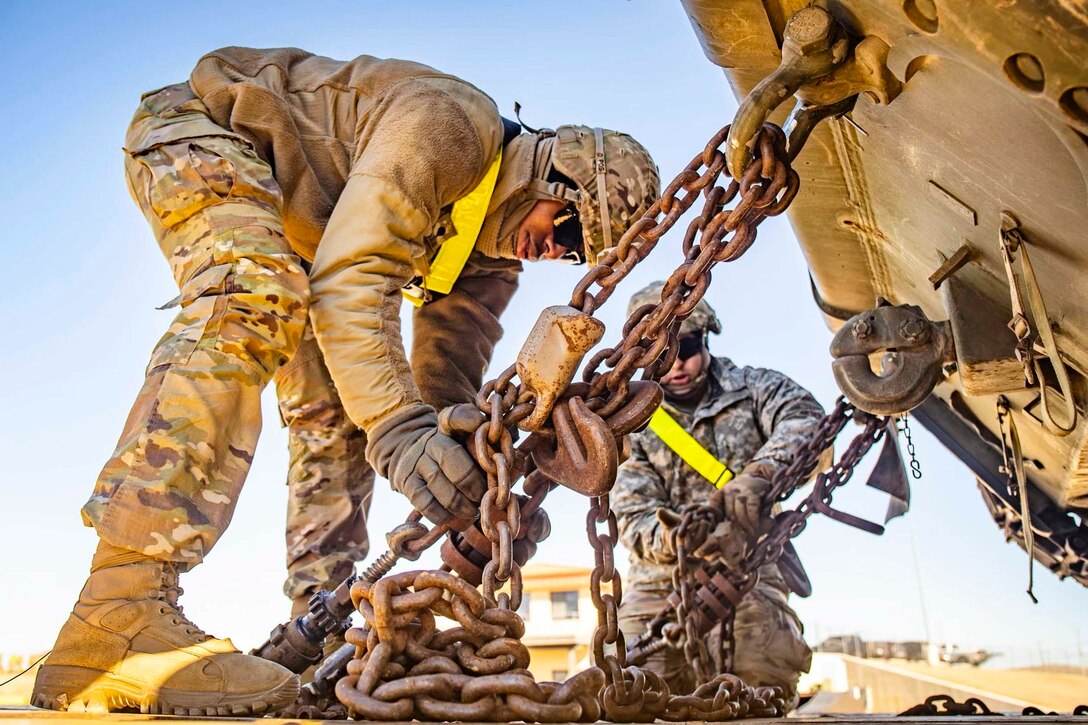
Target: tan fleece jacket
(367, 153)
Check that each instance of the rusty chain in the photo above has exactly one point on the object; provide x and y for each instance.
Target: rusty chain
(946, 705)
(708, 591)
(476, 671)
(404, 667)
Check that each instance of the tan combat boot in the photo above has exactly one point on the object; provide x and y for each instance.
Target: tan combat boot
(127, 644)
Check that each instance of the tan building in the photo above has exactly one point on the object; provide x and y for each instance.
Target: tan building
(559, 619)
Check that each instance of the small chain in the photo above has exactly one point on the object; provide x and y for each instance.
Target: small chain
(904, 428)
(1006, 467)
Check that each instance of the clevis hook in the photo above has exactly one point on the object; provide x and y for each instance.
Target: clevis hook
(585, 456)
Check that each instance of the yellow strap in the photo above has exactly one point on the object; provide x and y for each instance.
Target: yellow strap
(690, 450)
(468, 219)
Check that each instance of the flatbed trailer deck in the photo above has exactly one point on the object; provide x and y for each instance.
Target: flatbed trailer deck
(31, 716)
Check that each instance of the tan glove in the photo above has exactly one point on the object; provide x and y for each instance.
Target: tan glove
(436, 473)
(669, 520)
(742, 498)
(726, 541)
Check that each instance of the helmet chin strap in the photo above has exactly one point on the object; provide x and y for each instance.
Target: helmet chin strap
(601, 167)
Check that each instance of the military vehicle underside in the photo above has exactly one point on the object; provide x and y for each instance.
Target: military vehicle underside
(958, 120)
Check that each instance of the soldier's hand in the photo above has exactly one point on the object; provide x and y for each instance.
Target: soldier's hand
(460, 421)
(436, 472)
(742, 498)
(726, 541)
(669, 520)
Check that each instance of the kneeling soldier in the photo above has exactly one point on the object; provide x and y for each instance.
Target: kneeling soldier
(717, 420)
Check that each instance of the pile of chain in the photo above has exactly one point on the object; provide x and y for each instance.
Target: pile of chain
(405, 667)
(946, 705)
(476, 671)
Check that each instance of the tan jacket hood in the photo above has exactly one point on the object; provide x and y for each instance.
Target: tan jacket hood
(526, 159)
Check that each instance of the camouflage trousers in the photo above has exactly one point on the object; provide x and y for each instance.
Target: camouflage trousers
(769, 647)
(170, 487)
(330, 481)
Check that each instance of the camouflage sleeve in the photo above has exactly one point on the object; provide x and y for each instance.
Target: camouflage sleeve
(786, 413)
(422, 151)
(453, 336)
(636, 498)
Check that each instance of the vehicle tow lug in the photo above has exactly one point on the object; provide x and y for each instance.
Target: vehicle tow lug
(914, 351)
(824, 69)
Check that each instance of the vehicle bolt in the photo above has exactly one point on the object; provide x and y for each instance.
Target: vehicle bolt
(862, 328)
(913, 330)
(809, 30)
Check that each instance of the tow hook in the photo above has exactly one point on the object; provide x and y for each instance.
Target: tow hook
(826, 71)
(915, 349)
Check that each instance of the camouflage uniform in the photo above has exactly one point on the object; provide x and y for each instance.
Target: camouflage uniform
(274, 171)
(215, 209)
(748, 415)
(329, 480)
(241, 237)
(181, 188)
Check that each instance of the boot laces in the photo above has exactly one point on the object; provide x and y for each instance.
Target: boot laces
(170, 592)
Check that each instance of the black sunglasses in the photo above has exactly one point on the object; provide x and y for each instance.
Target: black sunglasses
(568, 234)
(690, 346)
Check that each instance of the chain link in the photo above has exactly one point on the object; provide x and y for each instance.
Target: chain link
(946, 705)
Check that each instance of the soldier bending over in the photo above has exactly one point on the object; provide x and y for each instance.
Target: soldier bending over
(294, 197)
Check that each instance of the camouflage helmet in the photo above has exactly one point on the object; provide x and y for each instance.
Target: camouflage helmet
(701, 320)
(627, 173)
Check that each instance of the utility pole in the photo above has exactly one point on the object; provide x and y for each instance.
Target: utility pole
(918, 578)
(1080, 656)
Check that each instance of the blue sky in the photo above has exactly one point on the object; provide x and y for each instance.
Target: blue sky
(82, 277)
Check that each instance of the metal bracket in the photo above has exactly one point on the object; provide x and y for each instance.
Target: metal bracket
(821, 67)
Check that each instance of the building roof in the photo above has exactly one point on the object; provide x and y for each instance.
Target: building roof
(551, 577)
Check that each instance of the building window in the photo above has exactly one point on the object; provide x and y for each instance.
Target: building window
(523, 608)
(564, 605)
(559, 675)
